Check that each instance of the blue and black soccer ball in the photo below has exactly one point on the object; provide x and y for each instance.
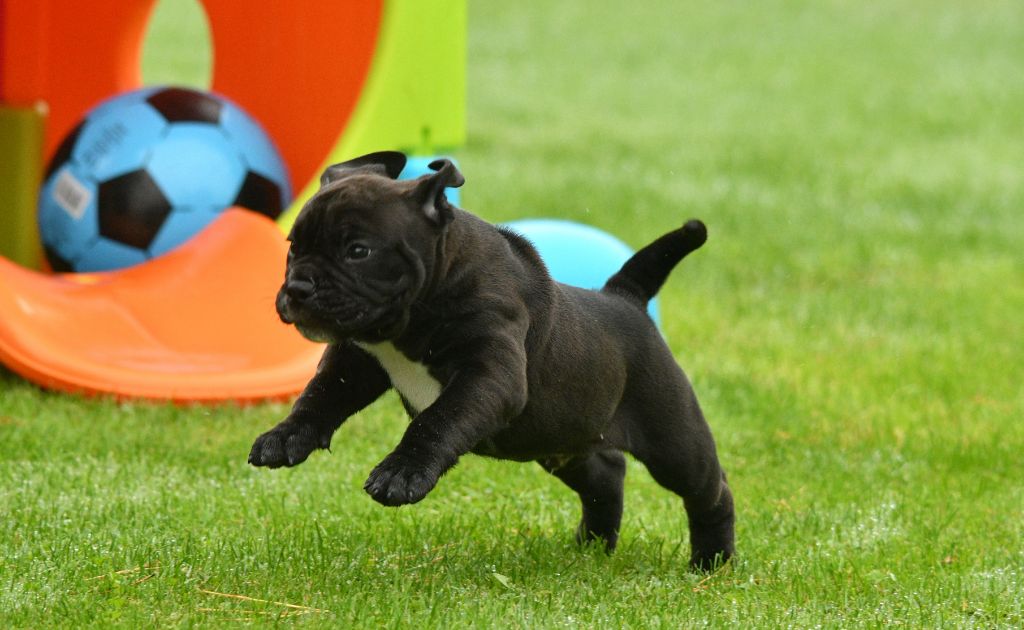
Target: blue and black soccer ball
(148, 169)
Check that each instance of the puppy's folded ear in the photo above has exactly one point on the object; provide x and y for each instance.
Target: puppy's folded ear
(387, 163)
(429, 192)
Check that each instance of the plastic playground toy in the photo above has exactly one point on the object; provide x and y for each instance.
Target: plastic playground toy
(198, 324)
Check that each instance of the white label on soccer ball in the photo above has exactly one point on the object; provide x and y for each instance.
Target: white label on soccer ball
(71, 194)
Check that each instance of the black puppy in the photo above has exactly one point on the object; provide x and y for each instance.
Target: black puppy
(489, 354)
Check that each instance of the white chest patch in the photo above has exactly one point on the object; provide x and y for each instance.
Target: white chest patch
(411, 379)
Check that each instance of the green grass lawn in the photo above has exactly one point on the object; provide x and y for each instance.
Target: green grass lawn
(853, 328)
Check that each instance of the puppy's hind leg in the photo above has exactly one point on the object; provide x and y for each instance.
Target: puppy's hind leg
(680, 455)
(597, 478)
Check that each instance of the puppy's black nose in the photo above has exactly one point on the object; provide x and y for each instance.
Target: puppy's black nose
(298, 289)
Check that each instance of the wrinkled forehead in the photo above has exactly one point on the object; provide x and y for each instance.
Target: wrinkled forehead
(365, 190)
(356, 202)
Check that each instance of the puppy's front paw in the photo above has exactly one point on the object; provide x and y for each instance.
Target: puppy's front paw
(287, 444)
(398, 480)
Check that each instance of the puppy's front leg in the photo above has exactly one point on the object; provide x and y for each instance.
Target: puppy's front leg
(346, 380)
(479, 400)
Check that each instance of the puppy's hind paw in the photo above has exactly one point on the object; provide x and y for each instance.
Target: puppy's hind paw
(287, 444)
(399, 481)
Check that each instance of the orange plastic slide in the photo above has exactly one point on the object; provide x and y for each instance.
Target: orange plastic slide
(197, 324)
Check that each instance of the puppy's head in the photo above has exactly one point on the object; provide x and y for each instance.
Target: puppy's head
(364, 247)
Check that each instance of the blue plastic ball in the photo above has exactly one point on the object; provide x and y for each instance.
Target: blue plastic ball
(577, 254)
(146, 170)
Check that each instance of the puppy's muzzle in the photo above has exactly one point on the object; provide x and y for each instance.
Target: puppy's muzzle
(299, 289)
(296, 292)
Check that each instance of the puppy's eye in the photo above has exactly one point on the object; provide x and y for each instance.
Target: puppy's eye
(357, 251)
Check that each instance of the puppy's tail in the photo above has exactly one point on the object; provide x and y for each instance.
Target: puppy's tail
(642, 276)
